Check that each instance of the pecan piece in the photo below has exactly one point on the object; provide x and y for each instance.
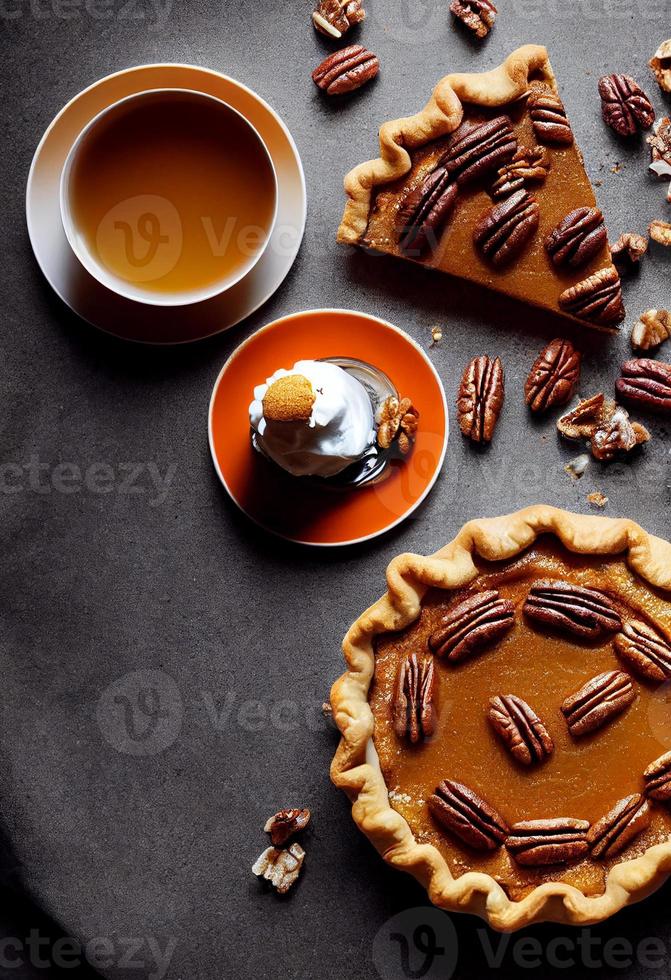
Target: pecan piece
(597, 299)
(472, 625)
(480, 400)
(644, 651)
(465, 815)
(659, 142)
(502, 232)
(607, 426)
(397, 420)
(624, 105)
(646, 382)
(661, 65)
(628, 818)
(521, 730)
(597, 702)
(651, 329)
(335, 17)
(628, 250)
(658, 778)
(279, 867)
(660, 232)
(557, 841)
(554, 376)
(425, 210)
(548, 117)
(477, 15)
(475, 150)
(583, 420)
(346, 70)
(577, 239)
(413, 709)
(285, 824)
(572, 609)
(526, 166)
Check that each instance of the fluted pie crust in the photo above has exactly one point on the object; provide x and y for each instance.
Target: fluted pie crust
(356, 767)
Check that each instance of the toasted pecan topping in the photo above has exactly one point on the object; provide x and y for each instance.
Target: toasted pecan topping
(597, 702)
(473, 624)
(467, 816)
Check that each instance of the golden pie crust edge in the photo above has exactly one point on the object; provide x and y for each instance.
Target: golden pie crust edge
(356, 769)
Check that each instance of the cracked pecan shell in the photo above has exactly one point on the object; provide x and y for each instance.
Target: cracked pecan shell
(597, 702)
(467, 816)
(624, 105)
(425, 210)
(658, 778)
(646, 382)
(475, 150)
(559, 840)
(502, 232)
(577, 238)
(472, 625)
(554, 376)
(413, 710)
(548, 117)
(480, 398)
(572, 609)
(620, 826)
(520, 729)
(346, 70)
(644, 651)
(597, 299)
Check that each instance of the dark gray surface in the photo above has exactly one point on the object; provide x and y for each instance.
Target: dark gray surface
(96, 586)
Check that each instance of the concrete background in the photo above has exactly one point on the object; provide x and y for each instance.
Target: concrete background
(236, 635)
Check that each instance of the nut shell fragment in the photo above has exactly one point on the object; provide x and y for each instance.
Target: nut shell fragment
(651, 329)
(660, 64)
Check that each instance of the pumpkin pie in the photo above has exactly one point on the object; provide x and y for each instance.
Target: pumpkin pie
(487, 183)
(505, 737)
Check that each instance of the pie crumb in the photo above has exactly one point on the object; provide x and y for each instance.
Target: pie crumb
(597, 499)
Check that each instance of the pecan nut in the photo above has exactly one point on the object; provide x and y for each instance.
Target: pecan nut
(335, 17)
(413, 710)
(480, 400)
(502, 232)
(607, 426)
(628, 250)
(621, 825)
(577, 239)
(646, 382)
(554, 376)
(285, 824)
(526, 166)
(659, 142)
(597, 702)
(548, 117)
(425, 210)
(521, 730)
(467, 816)
(661, 65)
(597, 299)
(624, 105)
(475, 150)
(472, 625)
(644, 651)
(658, 778)
(280, 868)
(534, 843)
(651, 329)
(571, 609)
(584, 420)
(346, 70)
(477, 15)
(660, 232)
(397, 420)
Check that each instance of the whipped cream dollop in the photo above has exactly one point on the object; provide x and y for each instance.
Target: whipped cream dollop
(339, 430)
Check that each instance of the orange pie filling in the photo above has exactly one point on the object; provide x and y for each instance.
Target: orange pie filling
(560, 621)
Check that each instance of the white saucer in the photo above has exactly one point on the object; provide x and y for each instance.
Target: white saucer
(142, 322)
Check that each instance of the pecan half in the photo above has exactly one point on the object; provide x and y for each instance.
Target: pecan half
(651, 329)
(279, 867)
(475, 150)
(285, 823)
(644, 651)
(572, 609)
(628, 818)
(554, 376)
(628, 250)
(346, 70)
(477, 15)
(413, 709)
(502, 232)
(658, 778)
(425, 210)
(557, 841)
(472, 625)
(335, 17)
(467, 816)
(526, 166)
(597, 702)
(577, 239)
(548, 117)
(480, 399)
(661, 65)
(624, 105)
(521, 730)
(597, 299)
(646, 382)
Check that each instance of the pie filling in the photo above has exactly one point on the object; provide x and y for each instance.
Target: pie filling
(552, 712)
